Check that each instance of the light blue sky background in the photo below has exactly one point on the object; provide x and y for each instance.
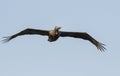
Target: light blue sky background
(35, 56)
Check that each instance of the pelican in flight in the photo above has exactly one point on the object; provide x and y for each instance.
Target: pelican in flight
(54, 34)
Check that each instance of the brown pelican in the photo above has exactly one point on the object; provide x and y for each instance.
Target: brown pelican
(54, 34)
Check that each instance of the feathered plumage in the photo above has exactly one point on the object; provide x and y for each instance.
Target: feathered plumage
(54, 34)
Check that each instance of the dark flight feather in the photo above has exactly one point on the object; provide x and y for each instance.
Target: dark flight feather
(84, 36)
(26, 32)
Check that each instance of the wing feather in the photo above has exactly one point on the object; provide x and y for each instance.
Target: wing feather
(84, 36)
(26, 32)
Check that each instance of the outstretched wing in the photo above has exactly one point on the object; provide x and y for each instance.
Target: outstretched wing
(84, 36)
(26, 32)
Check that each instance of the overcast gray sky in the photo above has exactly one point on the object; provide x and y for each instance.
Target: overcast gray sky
(35, 56)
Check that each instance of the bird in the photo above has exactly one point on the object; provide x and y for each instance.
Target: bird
(55, 33)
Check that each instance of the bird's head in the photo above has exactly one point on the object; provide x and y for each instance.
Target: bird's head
(57, 28)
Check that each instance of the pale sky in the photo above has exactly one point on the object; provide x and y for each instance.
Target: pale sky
(35, 56)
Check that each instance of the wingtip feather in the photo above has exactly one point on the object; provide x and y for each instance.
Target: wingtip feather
(6, 39)
(101, 47)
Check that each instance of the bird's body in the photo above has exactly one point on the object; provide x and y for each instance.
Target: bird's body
(54, 34)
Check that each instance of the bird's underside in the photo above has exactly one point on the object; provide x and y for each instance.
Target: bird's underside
(54, 34)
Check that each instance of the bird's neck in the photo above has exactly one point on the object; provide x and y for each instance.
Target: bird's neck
(56, 31)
